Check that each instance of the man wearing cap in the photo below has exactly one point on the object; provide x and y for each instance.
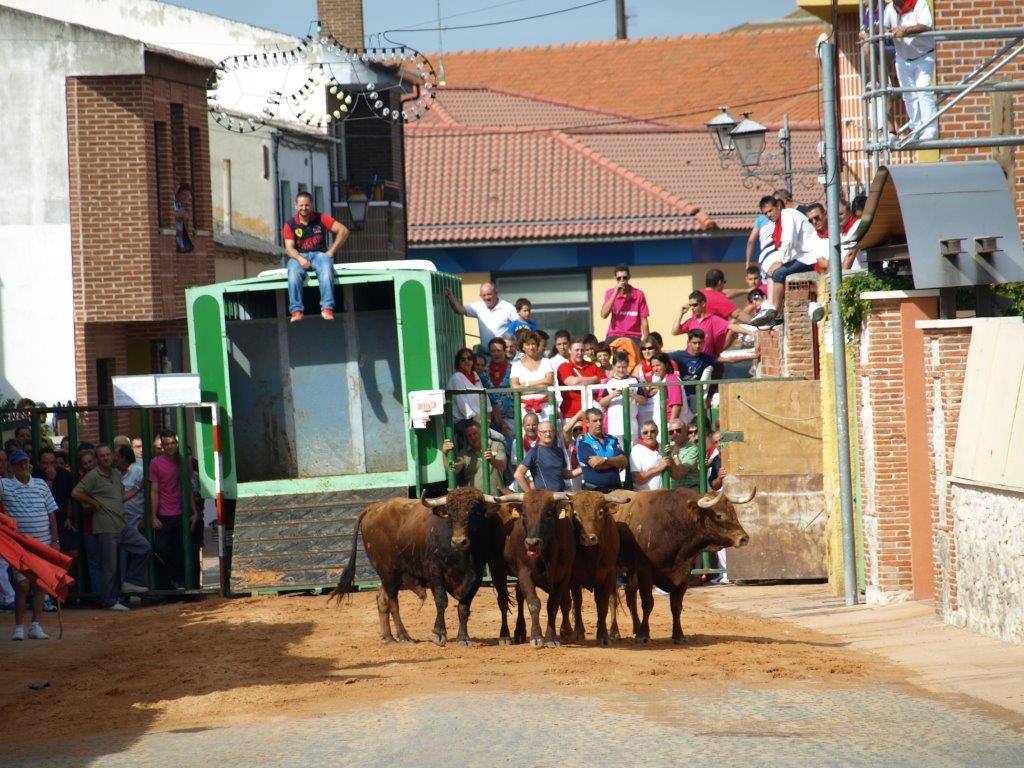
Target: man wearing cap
(28, 500)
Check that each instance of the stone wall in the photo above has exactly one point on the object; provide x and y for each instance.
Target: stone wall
(988, 527)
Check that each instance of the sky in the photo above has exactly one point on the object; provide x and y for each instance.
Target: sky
(647, 18)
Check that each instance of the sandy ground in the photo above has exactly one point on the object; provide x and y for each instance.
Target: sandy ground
(220, 662)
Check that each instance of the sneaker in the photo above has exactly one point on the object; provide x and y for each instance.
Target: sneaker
(19, 633)
(296, 317)
(815, 311)
(767, 317)
(36, 632)
(127, 586)
(660, 591)
(118, 607)
(327, 313)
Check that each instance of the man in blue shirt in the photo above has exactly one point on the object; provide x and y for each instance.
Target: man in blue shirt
(599, 455)
(545, 462)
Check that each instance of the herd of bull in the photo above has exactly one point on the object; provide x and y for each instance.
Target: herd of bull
(561, 543)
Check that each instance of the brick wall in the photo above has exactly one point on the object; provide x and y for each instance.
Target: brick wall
(125, 268)
(344, 18)
(972, 116)
(791, 349)
(883, 458)
(945, 360)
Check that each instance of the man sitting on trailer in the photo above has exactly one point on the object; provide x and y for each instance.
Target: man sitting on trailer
(305, 241)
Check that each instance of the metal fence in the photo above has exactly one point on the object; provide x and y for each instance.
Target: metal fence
(176, 418)
(703, 412)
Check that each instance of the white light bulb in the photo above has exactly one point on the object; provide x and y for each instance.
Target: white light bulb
(333, 89)
(343, 108)
(378, 104)
(373, 95)
(348, 99)
(337, 113)
(386, 111)
(327, 118)
(369, 86)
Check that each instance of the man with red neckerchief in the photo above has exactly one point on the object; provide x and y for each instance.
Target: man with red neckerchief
(577, 372)
(305, 241)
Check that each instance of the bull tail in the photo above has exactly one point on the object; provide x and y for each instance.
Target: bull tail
(348, 575)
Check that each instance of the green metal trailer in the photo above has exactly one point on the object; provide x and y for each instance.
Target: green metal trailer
(315, 414)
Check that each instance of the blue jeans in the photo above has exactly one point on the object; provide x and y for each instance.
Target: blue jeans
(323, 265)
(780, 274)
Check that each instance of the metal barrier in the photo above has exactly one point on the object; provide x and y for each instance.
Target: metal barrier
(106, 428)
(700, 389)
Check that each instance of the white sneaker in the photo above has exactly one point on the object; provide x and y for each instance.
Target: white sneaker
(36, 632)
(19, 633)
(118, 607)
(660, 591)
(127, 586)
(768, 316)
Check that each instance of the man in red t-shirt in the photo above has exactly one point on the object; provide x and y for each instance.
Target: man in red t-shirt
(574, 373)
(718, 303)
(305, 240)
(715, 328)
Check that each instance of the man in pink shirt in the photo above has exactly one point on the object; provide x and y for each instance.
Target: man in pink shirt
(166, 504)
(715, 327)
(627, 306)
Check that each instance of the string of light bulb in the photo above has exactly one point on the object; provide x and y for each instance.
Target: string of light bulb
(319, 52)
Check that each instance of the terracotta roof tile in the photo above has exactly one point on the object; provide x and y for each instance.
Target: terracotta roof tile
(769, 71)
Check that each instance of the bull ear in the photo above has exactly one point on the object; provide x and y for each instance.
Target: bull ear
(515, 513)
(563, 513)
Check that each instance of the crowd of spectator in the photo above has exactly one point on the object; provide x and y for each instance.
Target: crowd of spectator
(585, 445)
(96, 514)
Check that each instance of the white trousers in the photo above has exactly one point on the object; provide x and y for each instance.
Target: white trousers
(919, 73)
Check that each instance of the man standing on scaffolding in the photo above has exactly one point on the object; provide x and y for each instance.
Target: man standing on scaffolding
(915, 60)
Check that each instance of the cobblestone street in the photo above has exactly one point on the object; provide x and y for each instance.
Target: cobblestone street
(863, 726)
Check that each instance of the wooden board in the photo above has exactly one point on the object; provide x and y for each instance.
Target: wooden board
(781, 426)
(779, 450)
(990, 433)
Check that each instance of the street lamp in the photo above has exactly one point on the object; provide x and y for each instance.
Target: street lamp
(357, 207)
(748, 139)
(721, 126)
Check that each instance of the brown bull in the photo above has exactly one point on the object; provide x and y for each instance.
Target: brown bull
(661, 532)
(438, 544)
(540, 550)
(597, 552)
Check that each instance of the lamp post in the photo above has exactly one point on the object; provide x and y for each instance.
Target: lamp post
(357, 208)
(747, 139)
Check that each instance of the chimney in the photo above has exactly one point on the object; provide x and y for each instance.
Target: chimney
(344, 18)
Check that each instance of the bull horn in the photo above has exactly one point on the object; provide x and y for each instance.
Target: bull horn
(508, 497)
(734, 488)
(440, 501)
(490, 499)
(742, 499)
(707, 503)
(611, 498)
(562, 496)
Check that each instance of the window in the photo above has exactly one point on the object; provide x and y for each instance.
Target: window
(302, 188)
(162, 173)
(318, 198)
(285, 202)
(560, 300)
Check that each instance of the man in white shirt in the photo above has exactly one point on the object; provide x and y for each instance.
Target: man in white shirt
(796, 251)
(915, 60)
(645, 460)
(492, 313)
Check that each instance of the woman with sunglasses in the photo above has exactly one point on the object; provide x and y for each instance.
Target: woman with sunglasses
(464, 377)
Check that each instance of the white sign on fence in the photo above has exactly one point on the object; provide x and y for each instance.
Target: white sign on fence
(423, 404)
(156, 390)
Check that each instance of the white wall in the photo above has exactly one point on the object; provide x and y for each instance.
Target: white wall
(36, 291)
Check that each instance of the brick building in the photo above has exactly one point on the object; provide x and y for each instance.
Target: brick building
(112, 129)
(978, 115)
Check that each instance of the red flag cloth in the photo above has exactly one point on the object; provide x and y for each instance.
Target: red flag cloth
(904, 6)
(39, 563)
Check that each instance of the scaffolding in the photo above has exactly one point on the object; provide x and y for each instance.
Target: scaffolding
(881, 141)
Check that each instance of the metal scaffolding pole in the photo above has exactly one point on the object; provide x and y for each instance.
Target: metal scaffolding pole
(826, 53)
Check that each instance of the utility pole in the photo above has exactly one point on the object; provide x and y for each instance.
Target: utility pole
(826, 55)
(620, 20)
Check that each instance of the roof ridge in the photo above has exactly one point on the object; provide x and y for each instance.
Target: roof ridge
(559, 102)
(633, 40)
(647, 186)
(443, 114)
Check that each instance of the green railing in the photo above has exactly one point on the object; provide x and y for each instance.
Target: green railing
(106, 431)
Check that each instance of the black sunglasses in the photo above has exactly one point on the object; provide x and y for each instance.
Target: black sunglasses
(648, 349)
